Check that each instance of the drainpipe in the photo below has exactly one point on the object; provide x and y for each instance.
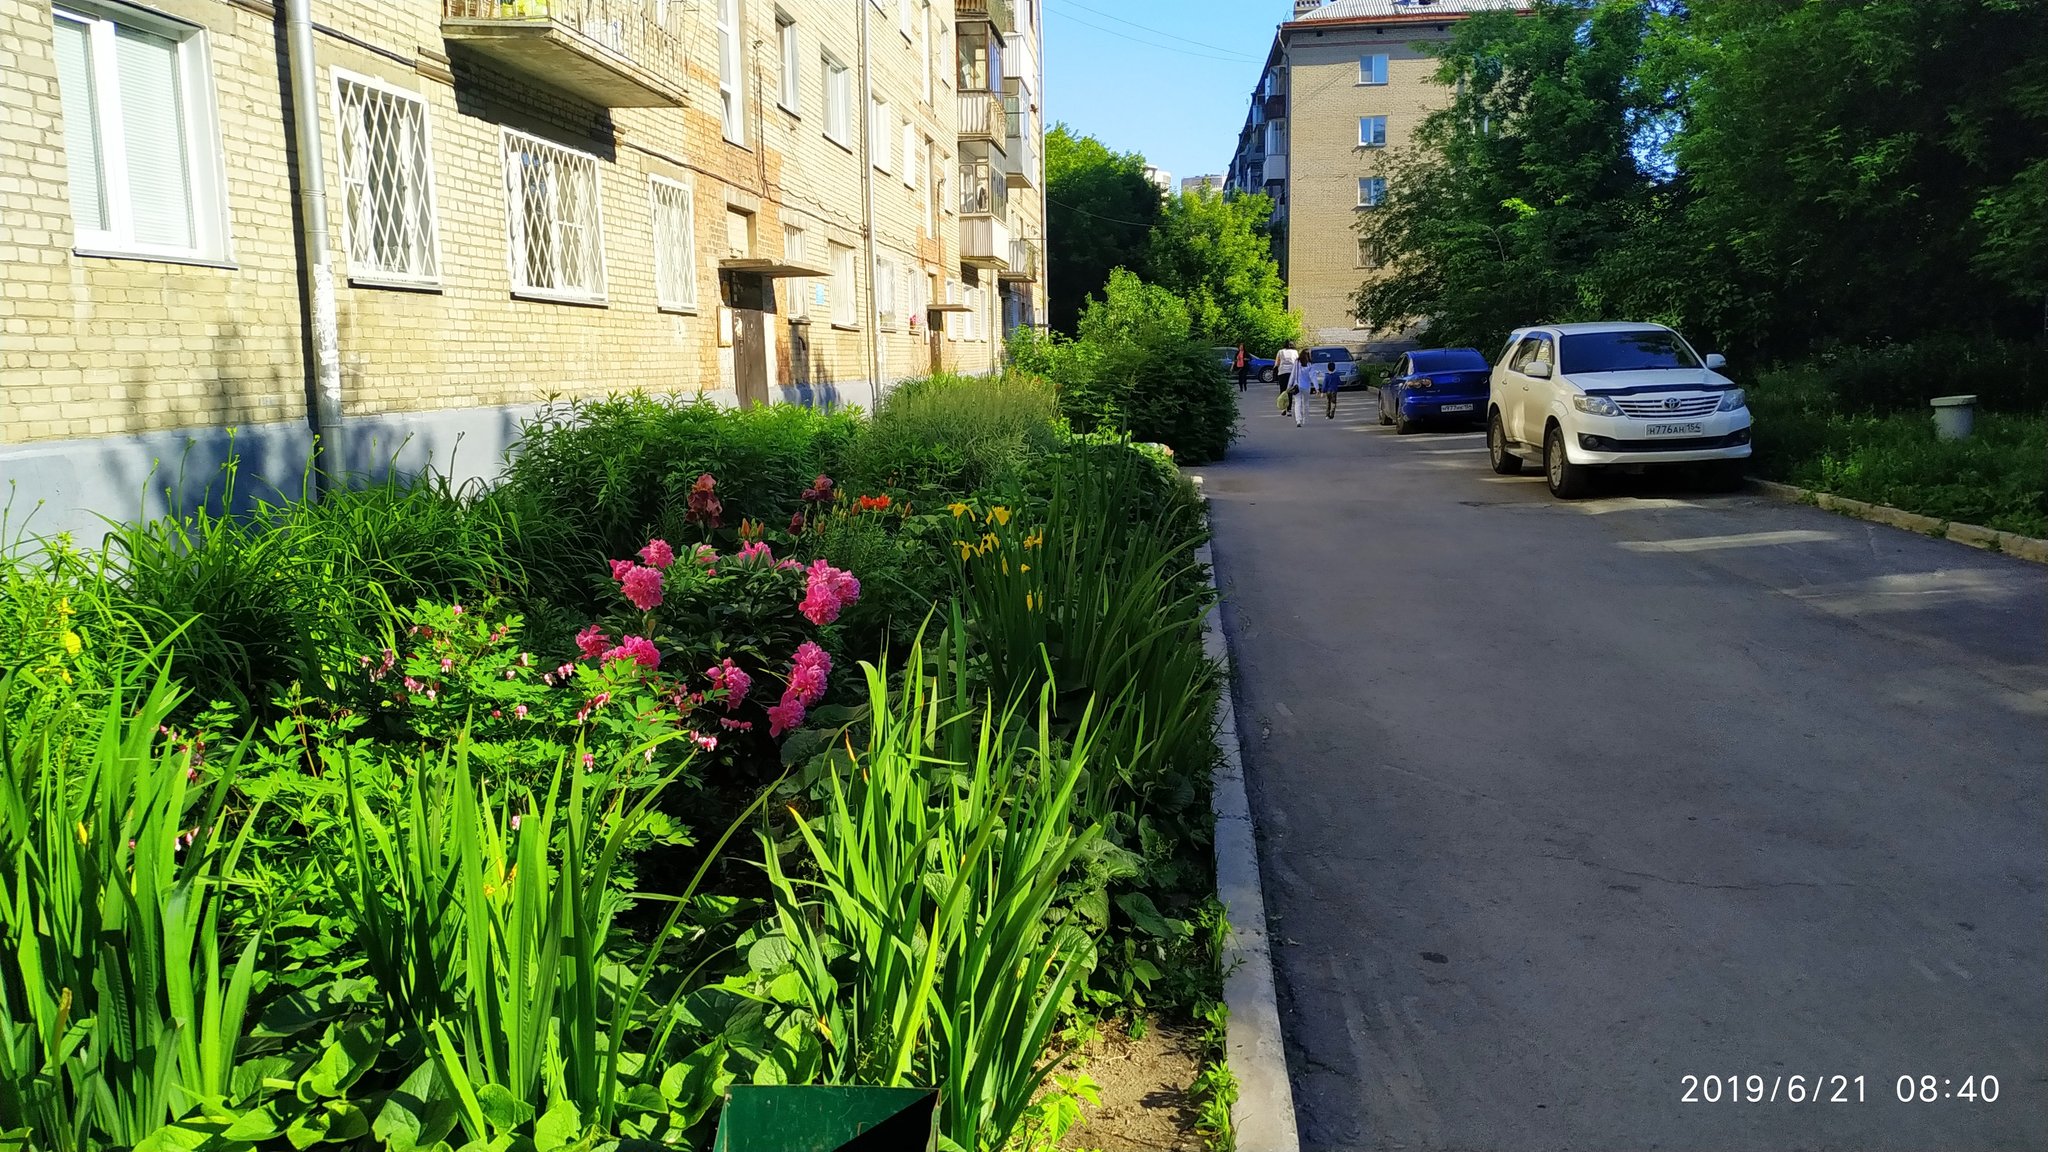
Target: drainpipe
(867, 201)
(325, 369)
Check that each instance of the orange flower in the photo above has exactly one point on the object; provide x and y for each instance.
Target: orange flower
(873, 503)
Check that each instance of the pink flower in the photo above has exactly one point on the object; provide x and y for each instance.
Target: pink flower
(589, 759)
(785, 716)
(707, 743)
(643, 587)
(808, 683)
(827, 592)
(446, 664)
(638, 649)
(732, 725)
(808, 653)
(730, 677)
(658, 554)
(755, 552)
(620, 568)
(592, 642)
(703, 554)
(519, 711)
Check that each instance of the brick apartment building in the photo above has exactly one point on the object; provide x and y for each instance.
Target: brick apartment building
(1344, 81)
(748, 199)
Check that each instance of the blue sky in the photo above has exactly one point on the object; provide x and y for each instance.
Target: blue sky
(1168, 78)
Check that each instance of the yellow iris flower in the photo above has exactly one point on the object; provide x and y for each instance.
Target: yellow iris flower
(72, 644)
(957, 509)
(999, 514)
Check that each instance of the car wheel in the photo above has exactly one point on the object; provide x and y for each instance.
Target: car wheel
(1381, 404)
(1567, 481)
(1505, 463)
(1268, 375)
(1402, 425)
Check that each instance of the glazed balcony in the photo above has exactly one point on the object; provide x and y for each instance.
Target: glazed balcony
(992, 12)
(613, 53)
(982, 118)
(1023, 260)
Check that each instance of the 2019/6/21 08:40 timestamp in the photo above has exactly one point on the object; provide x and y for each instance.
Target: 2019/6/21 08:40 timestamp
(1832, 1089)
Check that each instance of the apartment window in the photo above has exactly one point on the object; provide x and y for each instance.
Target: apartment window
(139, 134)
(909, 156)
(845, 305)
(1372, 69)
(879, 127)
(1365, 259)
(387, 202)
(554, 221)
(1372, 131)
(925, 169)
(1372, 191)
(789, 95)
(838, 102)
(885, 292)
(730, 83)
(926, 48)
(799, 290)
(675, 244)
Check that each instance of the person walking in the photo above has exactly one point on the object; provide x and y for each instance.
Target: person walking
(1243, 366)
(1286, 365)
(1331, 379)
(1307, 382)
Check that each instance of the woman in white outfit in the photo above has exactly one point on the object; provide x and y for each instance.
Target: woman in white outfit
(1287, 366)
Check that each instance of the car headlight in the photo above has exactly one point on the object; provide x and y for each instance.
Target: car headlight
(1596, 405)
(1734, 398)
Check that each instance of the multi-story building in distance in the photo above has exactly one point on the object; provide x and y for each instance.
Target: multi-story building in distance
(401, 223)
(1344, 81)
(1210, 183)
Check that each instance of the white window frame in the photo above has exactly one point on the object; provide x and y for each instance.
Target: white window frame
(903, 19)
(795, 243)
(845, 288)
(879, 132)
(731, 75)
(1372, 131)
(1372, 70)
(365, 273)
(686, 193)
(206, 171)
(515, 221)
(1372, 191)
(790, 92)
(931, 193)
(910, 139)
(885, 293)
(838, 102)
(926, 50)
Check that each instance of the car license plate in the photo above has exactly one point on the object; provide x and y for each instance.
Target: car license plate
(1454, 408)
(1693, 429)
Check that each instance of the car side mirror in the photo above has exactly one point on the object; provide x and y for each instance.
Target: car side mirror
(1716, 361)
(1540, 369)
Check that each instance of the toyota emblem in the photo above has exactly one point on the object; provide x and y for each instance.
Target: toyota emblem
(1671, 403)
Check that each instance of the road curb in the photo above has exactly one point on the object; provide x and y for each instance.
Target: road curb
(1989, 539)
(1264, 1114)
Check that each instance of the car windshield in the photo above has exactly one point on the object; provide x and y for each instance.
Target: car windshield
(1651, 348)
(1329, 355)
(1449, 360)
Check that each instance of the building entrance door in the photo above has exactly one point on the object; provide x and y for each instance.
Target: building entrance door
(747, 296)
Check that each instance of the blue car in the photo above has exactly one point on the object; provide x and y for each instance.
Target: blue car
(1256, 367)
(1435, 384)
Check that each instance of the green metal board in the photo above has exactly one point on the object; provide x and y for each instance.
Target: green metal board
(827, 1118)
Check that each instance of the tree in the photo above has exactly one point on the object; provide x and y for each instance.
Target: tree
(1217, 254)
(1099, 216)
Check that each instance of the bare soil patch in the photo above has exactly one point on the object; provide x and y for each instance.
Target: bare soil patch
(1144, 1083)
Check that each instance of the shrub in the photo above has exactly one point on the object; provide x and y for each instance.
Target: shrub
(2003, 375)
(955, 434)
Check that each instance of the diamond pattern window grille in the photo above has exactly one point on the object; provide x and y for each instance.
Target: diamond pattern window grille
(675, 245)
(552, 214)
(387, 182)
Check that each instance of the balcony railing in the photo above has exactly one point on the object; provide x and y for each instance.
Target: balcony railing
(996, 12)
(1023, 146)
(1274, 107)
(1023, 260)
(981, 118)
(985, 242)
(614, 53)
(1276, 169)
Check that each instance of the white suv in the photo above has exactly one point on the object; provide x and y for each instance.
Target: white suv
(1585, 396)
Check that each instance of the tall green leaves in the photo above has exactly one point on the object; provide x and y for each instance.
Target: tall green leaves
(121, 1005)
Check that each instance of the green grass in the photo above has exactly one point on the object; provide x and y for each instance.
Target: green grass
(1998, 478)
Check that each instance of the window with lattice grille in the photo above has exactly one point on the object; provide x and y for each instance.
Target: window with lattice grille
(387, 202)
(675, 244)
(553, 220)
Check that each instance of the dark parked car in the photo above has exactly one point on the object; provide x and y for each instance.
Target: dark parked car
(1256, 367)
(1339, 360)
(1435, 384)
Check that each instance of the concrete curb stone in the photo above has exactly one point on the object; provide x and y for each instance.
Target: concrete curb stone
(1976, 536)
(1264, 1115)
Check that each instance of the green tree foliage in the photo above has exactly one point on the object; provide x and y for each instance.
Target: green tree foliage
(1099, 216)
(1216, 252)
(1778, 179)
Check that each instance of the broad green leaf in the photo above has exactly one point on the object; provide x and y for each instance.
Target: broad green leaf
(501, 1109)
(559, 1126)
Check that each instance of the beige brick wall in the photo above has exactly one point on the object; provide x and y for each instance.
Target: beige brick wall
(1325, 161)
(92, 345)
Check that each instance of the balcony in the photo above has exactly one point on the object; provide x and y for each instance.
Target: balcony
(1023, 260)
(613, 53)
(984, 241)
(982, 118)
(1274, 106)
(1276, 170)
(992, 12)
(1023, 147)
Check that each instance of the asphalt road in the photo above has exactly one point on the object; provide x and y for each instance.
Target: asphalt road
(1561, 804)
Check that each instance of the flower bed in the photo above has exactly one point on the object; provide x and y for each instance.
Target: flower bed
(543, 829)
